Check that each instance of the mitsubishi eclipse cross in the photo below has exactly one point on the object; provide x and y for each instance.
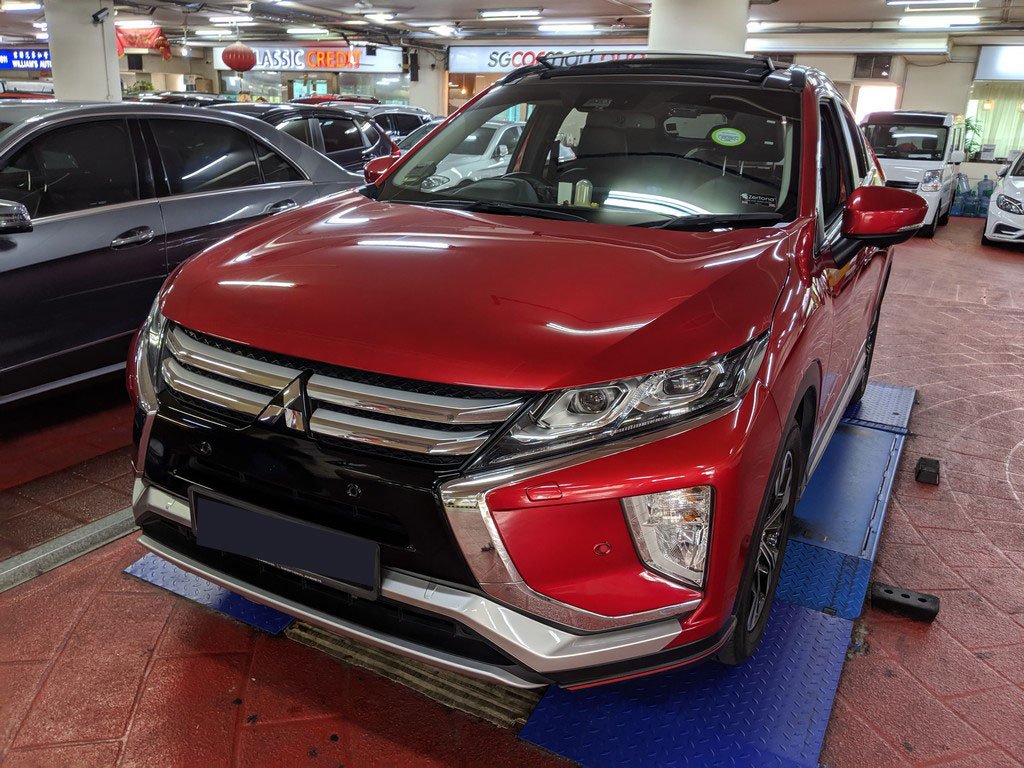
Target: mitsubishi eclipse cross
(548, 424)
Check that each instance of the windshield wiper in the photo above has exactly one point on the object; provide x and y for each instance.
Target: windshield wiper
(713, 220)
(503, 208)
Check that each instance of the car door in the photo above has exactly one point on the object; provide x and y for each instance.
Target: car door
(343, 141)
(75, 288)
(845, 290)
(214, 178)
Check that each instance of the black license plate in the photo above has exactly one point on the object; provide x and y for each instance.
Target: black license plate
(345, 561)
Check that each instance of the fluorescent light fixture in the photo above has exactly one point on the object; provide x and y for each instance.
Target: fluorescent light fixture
(381, 18)
(306, 31)
(925, 3)
(567, 28)
(443, 30)
(229, 19)
(20, 5)
(756, 26)
(39, 25)
(213, 32)
(42, 35)
(355, 22)
(135, 24)
(939, 22)
(511, 13)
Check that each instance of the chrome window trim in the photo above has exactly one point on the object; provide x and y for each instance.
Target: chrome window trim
(464, 502)
(410, 405)
(401, 437)
(535, 644)
(232, 190)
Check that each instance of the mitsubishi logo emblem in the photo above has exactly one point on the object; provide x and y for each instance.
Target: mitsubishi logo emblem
(288, 406)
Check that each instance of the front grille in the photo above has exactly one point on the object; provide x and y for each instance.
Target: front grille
(416, 421)
(912, 185)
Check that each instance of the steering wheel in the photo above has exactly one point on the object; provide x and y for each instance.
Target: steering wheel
(545, 192)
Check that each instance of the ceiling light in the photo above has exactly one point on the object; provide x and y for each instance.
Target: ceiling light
(939, 22)
(511, 13)
(213, 32)
(355, 22)
(42, 35)
(756, 26)
(39, 25)
(381, 18)
(135, 24)
(920, 3)
(443, 30)
(569, 28)
(229, 19)
(306, 31)
(20, 5)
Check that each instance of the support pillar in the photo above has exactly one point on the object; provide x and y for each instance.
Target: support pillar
(698, 25)
(84, 53)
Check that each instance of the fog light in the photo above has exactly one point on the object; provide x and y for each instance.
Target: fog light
(671, 531)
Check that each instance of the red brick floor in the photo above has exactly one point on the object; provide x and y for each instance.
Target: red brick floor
(97, 669)
(100, 669)
(54, 433)
(40, 510)
(952, 693)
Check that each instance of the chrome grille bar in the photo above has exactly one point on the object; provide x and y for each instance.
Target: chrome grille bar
(227, 364)
(410, 405)
(211, 390)
(401, 437)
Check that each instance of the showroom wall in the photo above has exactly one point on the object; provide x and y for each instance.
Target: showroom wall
(942, 87)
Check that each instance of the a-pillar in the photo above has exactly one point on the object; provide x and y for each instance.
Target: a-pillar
(698, 25)
(83, 51)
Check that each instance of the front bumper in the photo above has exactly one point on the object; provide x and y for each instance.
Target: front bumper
(535, 653)
(1003, 225)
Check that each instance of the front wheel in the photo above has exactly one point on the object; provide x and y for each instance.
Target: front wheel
(928, 230)
(767, 549)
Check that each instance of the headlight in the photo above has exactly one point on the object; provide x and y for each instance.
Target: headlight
(932, 181)
(147, 357)
(1010, 205)
(572, 418)
(671, 531)
(435, 181)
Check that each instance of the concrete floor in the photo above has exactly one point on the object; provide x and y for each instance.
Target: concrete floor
(97, 669)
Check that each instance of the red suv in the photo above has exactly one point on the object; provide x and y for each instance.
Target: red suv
(547, 419)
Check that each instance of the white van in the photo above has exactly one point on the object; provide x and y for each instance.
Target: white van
(919, 151)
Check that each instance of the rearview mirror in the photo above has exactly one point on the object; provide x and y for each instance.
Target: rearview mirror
(1003, 171)
(14, 218)
(957, 156)
(883, 216)
(377, 167)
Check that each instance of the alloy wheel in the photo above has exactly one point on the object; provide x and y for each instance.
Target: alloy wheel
(770, 545)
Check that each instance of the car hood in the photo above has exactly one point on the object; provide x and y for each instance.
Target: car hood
(484, 300)
(908, 170)
(1012, 186)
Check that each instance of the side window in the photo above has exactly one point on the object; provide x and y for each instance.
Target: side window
(369, 131)
(340, 133)
(274, 167)
(204, 157)
(835, 181)
(860, 152)
(406, 123)
(387, 122)
(298, 128)
(75, 168)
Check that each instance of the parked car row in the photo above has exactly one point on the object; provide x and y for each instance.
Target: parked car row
(540, 416)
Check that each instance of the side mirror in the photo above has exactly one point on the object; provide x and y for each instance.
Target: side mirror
(957, 156)
(377, 167)
(14, 218)
(500, 152)
(1003, 171)
(883, 216)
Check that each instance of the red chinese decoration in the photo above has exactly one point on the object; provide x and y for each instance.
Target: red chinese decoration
(239, 57)
(149, 38)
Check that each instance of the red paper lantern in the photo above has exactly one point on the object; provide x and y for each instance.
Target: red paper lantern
(239, 56)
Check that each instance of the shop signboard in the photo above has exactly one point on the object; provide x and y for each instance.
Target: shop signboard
(1000, 62)
(480, 59)
(326, 58)
(25, 58)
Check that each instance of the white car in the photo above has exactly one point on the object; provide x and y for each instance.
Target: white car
(1005, 222)
(919, 152)
(483, 154)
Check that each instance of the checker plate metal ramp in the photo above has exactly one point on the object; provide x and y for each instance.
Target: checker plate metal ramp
(844, 504)
(165, 575)
(884, 406)
(771, 711)
(823, 580)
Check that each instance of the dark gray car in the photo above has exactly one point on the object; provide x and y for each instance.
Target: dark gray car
(100, 202)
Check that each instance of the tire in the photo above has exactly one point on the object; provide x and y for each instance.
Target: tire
(928, 230)
(767, 550)
(944, 218)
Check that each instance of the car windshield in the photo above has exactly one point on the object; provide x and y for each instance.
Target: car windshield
(907, 141)
(413, 138)
(616, 151)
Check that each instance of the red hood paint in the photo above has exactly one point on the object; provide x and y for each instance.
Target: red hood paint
(484, 300)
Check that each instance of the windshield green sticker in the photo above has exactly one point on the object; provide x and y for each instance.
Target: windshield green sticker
(728, 137)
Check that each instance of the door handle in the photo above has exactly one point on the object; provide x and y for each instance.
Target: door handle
(281, 205)
(136, 236)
